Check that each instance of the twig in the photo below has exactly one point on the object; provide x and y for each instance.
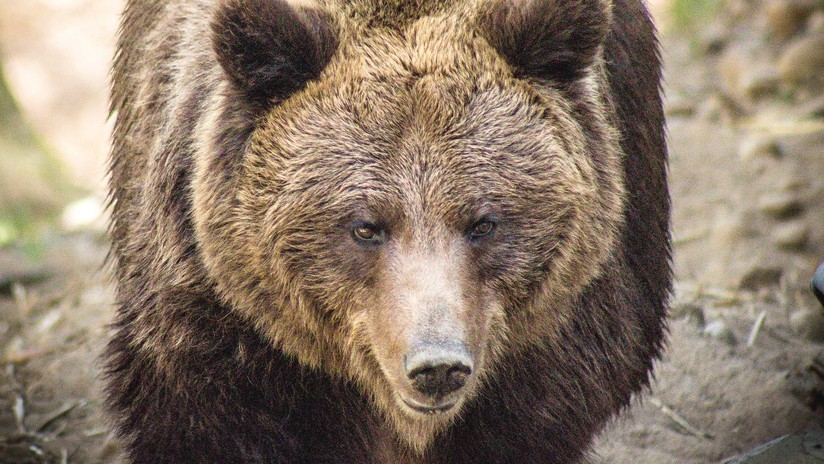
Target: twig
(95, 432)
(781, 338)
(22, 357)
(21, 300)
(19, 410)
(679, 420)
(62, 412)
(817, 367)
(723, 296)
(691, 237)
(756, 328)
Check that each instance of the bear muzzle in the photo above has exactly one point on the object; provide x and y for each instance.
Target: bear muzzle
(437, 373)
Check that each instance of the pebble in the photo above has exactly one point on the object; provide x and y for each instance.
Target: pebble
(803, 61)
(755, 147)
(720, 107)
(759, 277)
(744, 77)
(712, 39)
(759, 82)
(809, 324)
(786, 17)
(781, 205)
(813, 108)
(86, 214)
(720, 331)
(792, 236)
(816, 22)
(18, 268)
(691, 312)
(728, 230)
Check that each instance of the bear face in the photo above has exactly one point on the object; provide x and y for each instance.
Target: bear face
(401, 208)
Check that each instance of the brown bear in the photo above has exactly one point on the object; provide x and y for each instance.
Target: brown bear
(385, 231)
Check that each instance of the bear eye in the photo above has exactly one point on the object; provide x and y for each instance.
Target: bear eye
(368, 234)
(482, 228)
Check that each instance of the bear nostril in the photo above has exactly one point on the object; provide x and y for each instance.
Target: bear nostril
(437, 381)
(435, 374)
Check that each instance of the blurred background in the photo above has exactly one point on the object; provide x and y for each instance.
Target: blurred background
(745, 105)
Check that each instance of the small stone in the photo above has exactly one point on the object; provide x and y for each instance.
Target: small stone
(814, 108)
(816, 22)
(760, 277)
(17, 268)
(786, 17)
(803, 61)
(721, 107)
(759, 82)
(719, 330)
(712, 39)
(791, 237)
(727, 230)
(739, 9)
(85, 214)
(758, 147)
(743, 77)
(809, 324)
(780, 205)
(691, 312)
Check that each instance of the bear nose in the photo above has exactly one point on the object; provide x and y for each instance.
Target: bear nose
(438, 370)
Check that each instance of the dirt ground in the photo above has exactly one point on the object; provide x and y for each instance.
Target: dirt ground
(745, 360)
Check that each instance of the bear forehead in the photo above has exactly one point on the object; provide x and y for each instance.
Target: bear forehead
(420, 131)
(432, 45)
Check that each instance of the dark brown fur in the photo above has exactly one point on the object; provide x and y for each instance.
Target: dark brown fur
(248, 137)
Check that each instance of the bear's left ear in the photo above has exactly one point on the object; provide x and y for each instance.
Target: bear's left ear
(550, 39)
(270, 48)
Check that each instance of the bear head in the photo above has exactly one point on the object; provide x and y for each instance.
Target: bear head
(399, 203)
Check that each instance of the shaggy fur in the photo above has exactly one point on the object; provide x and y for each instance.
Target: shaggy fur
(251, 135)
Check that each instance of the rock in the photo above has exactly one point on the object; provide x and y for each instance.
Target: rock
(816, 22)
(727, 230)
(803, 61)
(22, 449)
(760, 277)
(691, 312)
(86, 214)
(780, 205)
(720, 107)
(720, 331)
(817, 283)
(17, 268)
(712, 38)
(786, 17)
(793, 236)
(809, 324)
(740, 9)
(755, 147)
(814, 108)
(743, 76)
(759, 82)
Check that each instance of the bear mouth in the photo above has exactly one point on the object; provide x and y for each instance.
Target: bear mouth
(429, 410)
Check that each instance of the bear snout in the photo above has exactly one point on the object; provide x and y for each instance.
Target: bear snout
(436, 370)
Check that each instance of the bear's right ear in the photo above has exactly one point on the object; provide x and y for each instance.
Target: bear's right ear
(555, 40)
(269, 49)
